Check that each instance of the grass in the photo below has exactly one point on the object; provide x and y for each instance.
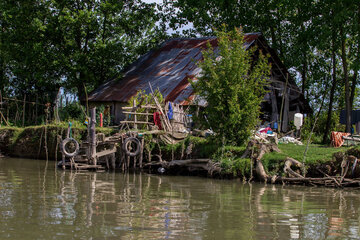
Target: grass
(231, 162)
(316, 153)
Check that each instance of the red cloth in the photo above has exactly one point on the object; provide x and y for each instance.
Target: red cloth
(265, 130)
(336, 138)
(157, 120)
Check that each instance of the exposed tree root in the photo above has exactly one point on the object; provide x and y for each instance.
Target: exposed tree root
(294, 177)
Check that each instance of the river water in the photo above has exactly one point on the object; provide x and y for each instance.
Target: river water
(38, 201)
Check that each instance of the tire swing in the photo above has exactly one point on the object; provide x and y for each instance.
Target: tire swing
(65, 142)
(131, 146)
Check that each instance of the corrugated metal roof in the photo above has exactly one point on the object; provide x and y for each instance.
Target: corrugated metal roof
(167, 68)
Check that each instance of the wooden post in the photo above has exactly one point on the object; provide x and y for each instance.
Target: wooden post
(36, 110)
(63, 161)
(274, 109)
(23, 116)
(56, 107)
(92, 135)
(134, 105)
(285, 117)
(141, 153)
(147, 112)
(282, 103)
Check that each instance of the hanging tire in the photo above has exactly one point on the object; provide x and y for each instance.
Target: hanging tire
(63, 147)
(132, 151)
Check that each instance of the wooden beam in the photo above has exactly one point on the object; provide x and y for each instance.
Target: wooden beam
(106, 152)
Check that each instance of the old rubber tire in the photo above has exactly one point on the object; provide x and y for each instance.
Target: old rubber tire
(66, 141)
(131, 140)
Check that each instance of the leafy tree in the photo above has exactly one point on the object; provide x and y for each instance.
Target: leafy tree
(232, 83)
(97, 39)
(48, 44)
(317, 40)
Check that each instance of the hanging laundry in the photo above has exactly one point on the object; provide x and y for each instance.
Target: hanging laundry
(157, 120)
(170, 112)
(336, 138)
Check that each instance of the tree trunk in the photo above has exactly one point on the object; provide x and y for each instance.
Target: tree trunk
(303, 75)
(304, 66)
(332, 91)
(353, 89)
(81, 86)
(346, 80)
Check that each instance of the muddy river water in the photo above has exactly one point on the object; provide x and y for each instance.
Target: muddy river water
(38, 201)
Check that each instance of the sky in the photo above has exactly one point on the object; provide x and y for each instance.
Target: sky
(152, 1)
(170, 31)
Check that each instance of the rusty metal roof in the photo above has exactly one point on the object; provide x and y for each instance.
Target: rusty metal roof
(167, 68)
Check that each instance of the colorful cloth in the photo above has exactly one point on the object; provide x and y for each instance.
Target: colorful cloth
(337, 138)
(265, 130)
(157, 120)
(170, 112)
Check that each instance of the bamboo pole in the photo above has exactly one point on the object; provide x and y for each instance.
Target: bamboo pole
(7, 113)
(2, 117)
(146, 118)
(282, 102)
(164, 116)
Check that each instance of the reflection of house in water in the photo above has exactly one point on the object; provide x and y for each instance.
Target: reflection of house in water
(131, 205)
(169, 67)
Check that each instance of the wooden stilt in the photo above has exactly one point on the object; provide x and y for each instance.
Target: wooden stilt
(141, 153)
(92, 135)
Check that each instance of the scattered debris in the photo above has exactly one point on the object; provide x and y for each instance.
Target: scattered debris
(287, 139)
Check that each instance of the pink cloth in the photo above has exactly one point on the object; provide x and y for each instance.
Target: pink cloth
(265, 130)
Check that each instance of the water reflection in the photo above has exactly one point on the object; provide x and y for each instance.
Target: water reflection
(40, 202)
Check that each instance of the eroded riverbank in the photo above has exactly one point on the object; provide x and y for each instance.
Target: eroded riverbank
(228, 161)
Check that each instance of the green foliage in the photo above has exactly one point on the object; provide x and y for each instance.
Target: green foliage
(72, 111)
(307, 36)
(77, 45)
(143, 98)
(231, 162)
(316, 154)
(233, 86)
(320, 126)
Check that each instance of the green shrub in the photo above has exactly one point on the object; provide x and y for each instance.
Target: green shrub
(232, 83)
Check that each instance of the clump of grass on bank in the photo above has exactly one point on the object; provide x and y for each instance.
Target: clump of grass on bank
(316, 154)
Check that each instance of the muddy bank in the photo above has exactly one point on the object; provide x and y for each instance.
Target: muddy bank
(195, 156)
(31, 142)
